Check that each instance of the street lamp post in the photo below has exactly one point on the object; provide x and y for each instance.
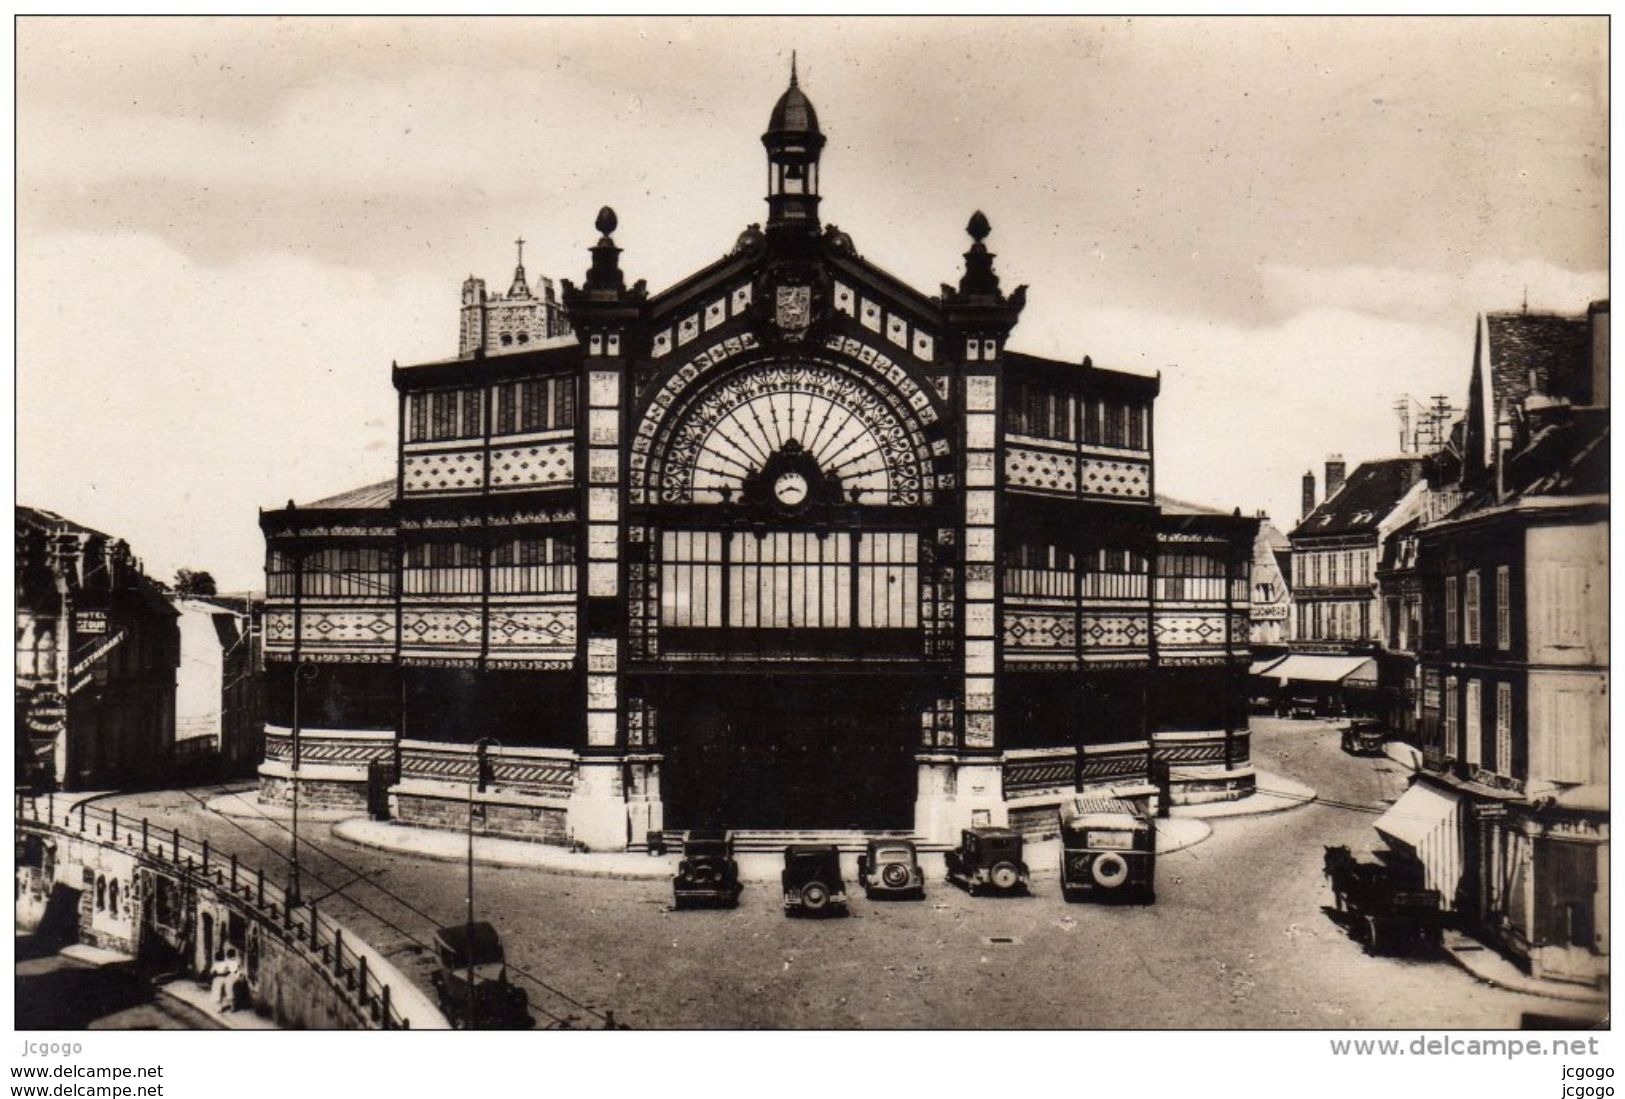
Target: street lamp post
(477, 779)
(298, 674)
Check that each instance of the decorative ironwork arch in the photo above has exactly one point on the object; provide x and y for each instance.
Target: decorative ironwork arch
(705, 432)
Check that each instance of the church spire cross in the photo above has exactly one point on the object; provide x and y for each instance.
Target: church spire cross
(520, 287)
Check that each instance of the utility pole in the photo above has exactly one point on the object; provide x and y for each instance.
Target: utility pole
(298, 674)
(477, 779)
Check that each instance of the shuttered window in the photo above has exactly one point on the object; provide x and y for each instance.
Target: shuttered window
(1452, 729)
(1503, 729)
(1471, 609)
(1473, 726)
(1503, 607)
(1450, 610)
(1560, 729)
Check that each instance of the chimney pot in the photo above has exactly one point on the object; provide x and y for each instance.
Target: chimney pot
(1336, 472)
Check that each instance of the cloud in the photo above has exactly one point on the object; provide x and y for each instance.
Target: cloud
(1245, 409)
(1432, 295)
(165, 401)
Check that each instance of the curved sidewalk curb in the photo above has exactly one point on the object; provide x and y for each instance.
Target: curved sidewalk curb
(1484, 964)
(449, 846)
(244, 807)
(1273, 794)
(1172, 835)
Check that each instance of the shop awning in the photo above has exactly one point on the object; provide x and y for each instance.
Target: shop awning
(1309, 668)
(1426, 821)
(1259, 667)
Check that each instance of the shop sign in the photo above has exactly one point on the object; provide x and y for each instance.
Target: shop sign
(47, 713)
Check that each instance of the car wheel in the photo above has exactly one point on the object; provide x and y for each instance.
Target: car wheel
(1004, 876)
(814, 896)
(1109, 870)
(895, 875)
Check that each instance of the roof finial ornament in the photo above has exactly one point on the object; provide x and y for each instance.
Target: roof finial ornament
(978, 227)
(606, 222)
(793, 68)
(521, 243)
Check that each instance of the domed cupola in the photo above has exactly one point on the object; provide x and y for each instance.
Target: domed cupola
(793, 142)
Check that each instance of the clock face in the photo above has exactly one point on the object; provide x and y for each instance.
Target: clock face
(790, 489)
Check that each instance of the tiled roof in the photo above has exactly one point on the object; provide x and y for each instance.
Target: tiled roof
(1556, 349)
(1365, 499)
(379, 495)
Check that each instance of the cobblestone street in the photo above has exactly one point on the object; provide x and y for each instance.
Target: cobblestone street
(1237, 939)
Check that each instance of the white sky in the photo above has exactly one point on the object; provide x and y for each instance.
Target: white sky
(228, 228)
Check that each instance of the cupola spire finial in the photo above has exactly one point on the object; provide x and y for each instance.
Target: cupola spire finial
(793, 69)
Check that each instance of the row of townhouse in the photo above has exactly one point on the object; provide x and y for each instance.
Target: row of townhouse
(1462, 596)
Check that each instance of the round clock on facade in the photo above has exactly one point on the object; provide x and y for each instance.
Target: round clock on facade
(790, 489)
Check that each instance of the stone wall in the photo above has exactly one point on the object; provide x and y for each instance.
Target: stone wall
(170, 913)
(505, 818)
(314, 793)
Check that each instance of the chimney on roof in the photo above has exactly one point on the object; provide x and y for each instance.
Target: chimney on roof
(1308, 494)
(1336, 472)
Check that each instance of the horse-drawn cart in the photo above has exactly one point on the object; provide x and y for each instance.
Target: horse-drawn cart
(1383, 904)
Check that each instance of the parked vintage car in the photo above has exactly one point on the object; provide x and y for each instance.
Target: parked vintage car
(1108, 857)
(812, 881)
(708, 874)
(891, 868)
(988, 860)
(1364, 737)
(1304, 706)
(472, 980)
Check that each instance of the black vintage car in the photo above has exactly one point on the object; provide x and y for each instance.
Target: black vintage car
(472, 980)
(1364, 737)
(812, 881)
(891, 868)
(1108, 857)
(988, 860)
(708, 874)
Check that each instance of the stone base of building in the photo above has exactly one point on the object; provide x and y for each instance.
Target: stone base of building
(502, 815)
(613, 803)
(1201, 786)
(320, 787)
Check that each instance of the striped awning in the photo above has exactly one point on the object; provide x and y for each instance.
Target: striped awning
(1426, 821)
(1311, 668)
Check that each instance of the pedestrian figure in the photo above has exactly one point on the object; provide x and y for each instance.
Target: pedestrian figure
(221, 972)
(234, 979)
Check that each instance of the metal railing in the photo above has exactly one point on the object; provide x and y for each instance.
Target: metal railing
(320, 940)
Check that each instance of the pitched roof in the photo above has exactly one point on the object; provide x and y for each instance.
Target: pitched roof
(1555, 349)
(1365, 500)
(41, 518)
(1173, 506)
(379, 495)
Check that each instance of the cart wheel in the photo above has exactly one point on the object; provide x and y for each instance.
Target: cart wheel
(814, 896)
(1004, 876)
